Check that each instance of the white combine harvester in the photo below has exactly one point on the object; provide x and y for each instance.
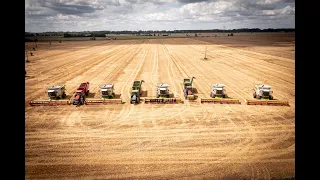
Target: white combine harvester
(219, 96)
(56, 95)
(106, 91)
(106, 96)
(262, 91)
(218, 91)
(162, 96)
(264, 96)
(163, 90)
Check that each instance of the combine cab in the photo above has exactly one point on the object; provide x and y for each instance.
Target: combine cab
(136, 92)
(163, 96)
(263, 94)
(188, 90)
(107, 96)
(163, 91)
(219, 96)
(56, 96)
(81, 93)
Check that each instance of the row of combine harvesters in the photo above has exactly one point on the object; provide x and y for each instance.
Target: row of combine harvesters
(262, 95)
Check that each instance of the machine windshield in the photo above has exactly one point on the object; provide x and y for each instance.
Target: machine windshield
(105, 92)
(219, 91)
(162, 91)
(52, 94)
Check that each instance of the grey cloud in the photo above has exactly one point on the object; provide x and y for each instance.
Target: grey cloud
(133, 14)
(190, 1)
(158, 2)
(289, 1)
(72, 9)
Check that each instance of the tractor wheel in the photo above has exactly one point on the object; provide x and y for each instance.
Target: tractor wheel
(64, 95)
(87, 93)
(58, 97)
(137, 100)
(254, 95)
(224, 96)
(270, 97)
(211, 94)
(259, 97)
(168, 95)
(158, 95)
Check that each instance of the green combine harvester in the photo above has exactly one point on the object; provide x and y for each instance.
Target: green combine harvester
(136, 92)
(188, 90)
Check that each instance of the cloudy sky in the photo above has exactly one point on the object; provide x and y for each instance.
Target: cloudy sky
(96, 15)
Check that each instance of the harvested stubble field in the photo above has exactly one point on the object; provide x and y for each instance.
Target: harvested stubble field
(190, 140)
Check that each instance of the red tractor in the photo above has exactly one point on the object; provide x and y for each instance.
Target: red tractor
(81, 93)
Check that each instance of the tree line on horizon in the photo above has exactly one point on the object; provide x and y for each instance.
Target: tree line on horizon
(102, 33)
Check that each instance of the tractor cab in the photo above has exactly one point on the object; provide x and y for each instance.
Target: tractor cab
(79, 98)
(134, 97)
(189, 89)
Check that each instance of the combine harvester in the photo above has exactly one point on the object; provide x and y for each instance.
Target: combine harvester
(106, 96)
(136, 92)
(163, 96)
(56, 96)
(81, 93)
(264, 95)
(188, 90)
(219, 96)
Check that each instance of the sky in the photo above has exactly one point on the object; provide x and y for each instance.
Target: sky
(133, 15)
